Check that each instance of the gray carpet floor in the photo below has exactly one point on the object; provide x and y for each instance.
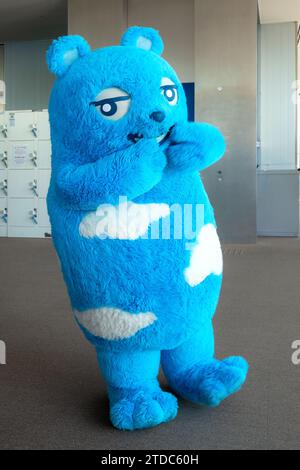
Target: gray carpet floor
(52, 395)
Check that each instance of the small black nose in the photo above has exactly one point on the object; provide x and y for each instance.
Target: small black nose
(158, 116)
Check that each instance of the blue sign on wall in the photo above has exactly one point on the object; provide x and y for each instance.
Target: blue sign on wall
(189, 89)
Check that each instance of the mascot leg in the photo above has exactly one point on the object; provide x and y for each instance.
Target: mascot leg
(136, 399)
(195, 375)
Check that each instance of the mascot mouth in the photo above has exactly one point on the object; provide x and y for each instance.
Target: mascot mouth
(160, 139)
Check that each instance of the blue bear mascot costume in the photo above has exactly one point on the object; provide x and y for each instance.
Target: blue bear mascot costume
(133, 226)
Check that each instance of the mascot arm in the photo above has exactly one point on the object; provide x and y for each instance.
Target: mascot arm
(195, 146)
(130, 172)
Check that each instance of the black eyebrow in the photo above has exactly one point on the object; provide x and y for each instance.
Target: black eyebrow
(169, 86)
(110, 100)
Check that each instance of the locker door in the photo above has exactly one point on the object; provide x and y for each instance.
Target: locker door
(22, 183)
(3, 154)
(44, 153)
(3, 217)
(22, 212)
(21, 154)
(3, 213)
(3, 183)
(43, 182)
(3, 231)
(42, 118)
(3, 127)
(43, 217)
(21, 125)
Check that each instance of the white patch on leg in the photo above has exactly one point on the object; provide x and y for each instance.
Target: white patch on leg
(127, 221)
(114, 323)
(206, 257)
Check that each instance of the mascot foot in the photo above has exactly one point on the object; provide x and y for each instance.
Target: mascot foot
(143, 409)
(211, 382)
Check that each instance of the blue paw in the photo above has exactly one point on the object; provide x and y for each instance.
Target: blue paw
(211, 382)
(143, 410)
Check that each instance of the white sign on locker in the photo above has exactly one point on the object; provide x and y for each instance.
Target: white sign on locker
(19, 154)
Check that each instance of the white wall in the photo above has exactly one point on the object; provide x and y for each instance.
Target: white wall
(28, 81)
(102, 24)
(175, 21)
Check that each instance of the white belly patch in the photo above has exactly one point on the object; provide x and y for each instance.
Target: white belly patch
(206, 257)
(114, 323)
(127, 221)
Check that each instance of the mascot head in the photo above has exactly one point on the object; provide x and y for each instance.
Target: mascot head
(107, 99)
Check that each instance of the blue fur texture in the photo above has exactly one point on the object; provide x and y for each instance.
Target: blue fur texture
(146, 38)
(95, 160)
(64, 51)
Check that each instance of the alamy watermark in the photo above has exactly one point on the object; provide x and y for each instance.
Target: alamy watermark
(296, 353)
(156, 221)
(2, 353)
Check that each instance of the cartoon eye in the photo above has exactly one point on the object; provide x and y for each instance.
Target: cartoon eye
(169, 90)
(112, 103)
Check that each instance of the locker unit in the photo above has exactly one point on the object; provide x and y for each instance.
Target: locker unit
(3, 200)
(25, 161)
(3, 155)
(3, 181)
(3, 212)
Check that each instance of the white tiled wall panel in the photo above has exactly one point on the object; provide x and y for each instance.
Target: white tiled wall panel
(278, 97)
(25, 161)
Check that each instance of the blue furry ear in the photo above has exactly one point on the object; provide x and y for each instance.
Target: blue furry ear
(143, 38)
(64, 51)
